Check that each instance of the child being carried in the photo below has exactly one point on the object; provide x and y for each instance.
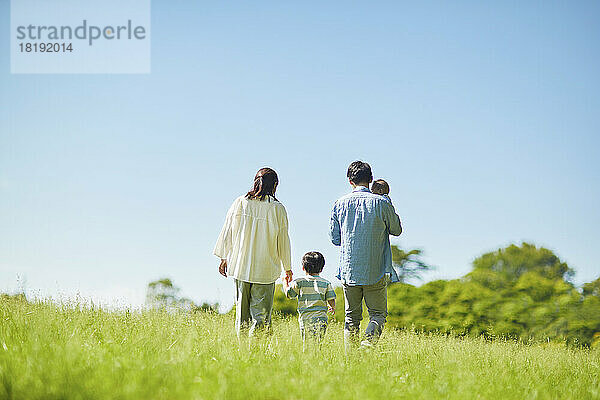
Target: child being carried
(381, 187)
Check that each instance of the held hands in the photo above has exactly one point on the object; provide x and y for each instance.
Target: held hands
(287, 278)
(223, 268)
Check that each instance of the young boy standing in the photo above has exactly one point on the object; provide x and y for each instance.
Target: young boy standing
(315, 295)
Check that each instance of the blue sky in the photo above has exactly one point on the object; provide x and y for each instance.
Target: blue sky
(482, 117)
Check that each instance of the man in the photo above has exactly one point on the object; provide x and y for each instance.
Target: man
(361, 223)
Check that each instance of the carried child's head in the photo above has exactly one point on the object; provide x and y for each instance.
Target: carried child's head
(380, 187)
(313, 262)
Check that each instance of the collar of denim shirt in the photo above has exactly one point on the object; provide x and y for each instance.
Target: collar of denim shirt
(361, 189)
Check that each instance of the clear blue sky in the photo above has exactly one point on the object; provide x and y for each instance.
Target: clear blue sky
(484, 118)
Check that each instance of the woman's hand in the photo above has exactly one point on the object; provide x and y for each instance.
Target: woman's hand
(223, 267)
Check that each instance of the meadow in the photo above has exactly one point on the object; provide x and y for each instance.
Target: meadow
(70, 351)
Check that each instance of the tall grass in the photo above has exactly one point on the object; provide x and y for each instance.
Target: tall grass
(50, 351)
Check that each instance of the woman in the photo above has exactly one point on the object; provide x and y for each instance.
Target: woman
(254, 247)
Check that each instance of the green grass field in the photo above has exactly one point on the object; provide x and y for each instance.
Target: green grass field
(49, 351)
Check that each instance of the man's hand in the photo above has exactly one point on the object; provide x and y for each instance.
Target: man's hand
(223, 267)
(288, 276)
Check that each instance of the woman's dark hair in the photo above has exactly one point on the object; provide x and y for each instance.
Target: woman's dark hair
(313, 262)
(360, 172)
(265, 183)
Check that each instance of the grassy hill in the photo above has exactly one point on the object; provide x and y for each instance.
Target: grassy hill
(50, 351)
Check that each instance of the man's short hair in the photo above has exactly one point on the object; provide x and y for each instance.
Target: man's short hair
(360, 172)
(313, 262)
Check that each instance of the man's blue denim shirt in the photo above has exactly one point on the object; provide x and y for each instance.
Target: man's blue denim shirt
(361, 223)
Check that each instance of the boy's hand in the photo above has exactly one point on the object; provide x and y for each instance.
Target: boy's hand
(331, 306)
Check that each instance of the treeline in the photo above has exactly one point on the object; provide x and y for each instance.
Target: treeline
(163, 294)
(520, 292)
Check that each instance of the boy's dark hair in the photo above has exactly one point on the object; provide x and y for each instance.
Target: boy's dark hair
(313, 262)
(360, 172)
(380, 186)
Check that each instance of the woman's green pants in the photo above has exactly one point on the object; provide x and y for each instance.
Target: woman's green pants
(253, 306)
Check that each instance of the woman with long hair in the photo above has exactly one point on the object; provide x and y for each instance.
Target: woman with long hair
(254, 248)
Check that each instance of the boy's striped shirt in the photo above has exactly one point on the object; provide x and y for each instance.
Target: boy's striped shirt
(312, 292)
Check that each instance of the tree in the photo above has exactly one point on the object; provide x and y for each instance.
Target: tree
(163, 294)
(408, 264)
(592, 288)
(513, 261)
(521, 291)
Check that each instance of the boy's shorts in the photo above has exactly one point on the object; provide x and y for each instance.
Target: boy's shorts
(314, 328)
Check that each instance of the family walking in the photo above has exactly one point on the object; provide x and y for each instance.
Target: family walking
(254, 248)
